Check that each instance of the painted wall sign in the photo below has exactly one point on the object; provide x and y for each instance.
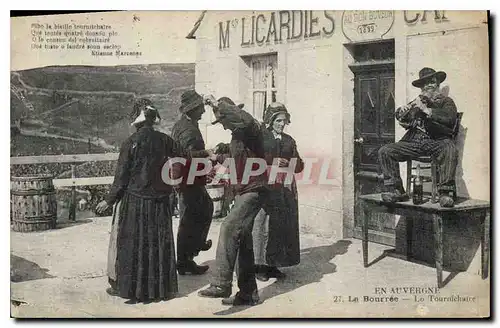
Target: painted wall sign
(277, 27)
(412, 18)
(362, 25)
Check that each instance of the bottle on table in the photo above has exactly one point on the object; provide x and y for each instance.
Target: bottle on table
(418, 188)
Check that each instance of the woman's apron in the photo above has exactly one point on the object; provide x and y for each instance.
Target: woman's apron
(112, 252)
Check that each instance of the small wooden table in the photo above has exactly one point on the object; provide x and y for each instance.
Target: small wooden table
(474, 208)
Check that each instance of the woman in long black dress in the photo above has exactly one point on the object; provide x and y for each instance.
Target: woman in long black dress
(276, 227)
(145, 260)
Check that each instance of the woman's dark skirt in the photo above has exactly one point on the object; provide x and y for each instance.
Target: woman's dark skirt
(145, 262)
(276, 228)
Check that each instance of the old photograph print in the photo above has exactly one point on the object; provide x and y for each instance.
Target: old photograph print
(250, 164)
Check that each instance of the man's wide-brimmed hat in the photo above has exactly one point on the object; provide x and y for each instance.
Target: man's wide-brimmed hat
(190, 100)
(273, 110)
(226, 100)
(426, 74)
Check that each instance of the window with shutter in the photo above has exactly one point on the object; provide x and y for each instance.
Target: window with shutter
(263, 88)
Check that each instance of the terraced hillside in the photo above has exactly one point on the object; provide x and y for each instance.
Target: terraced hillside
(91, 103)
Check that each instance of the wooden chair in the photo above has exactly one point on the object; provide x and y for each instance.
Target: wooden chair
(433, 166)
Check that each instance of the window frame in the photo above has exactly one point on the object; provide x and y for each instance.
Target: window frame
(271, 64)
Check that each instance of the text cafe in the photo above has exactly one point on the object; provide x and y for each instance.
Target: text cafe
(341, 74)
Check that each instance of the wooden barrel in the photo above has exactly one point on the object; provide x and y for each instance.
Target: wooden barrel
(33, 203)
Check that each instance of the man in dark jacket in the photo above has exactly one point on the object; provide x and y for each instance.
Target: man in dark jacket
(195, 205)
(235, 239)
(430, 120)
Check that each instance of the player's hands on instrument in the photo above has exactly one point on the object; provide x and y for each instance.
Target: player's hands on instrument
(420, 104)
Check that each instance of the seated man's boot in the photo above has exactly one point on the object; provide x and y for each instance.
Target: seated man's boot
(242, 299)
(215, 292)
(445, 200)
(395, 195)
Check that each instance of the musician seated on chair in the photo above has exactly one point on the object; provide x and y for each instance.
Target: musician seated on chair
(430, 120)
